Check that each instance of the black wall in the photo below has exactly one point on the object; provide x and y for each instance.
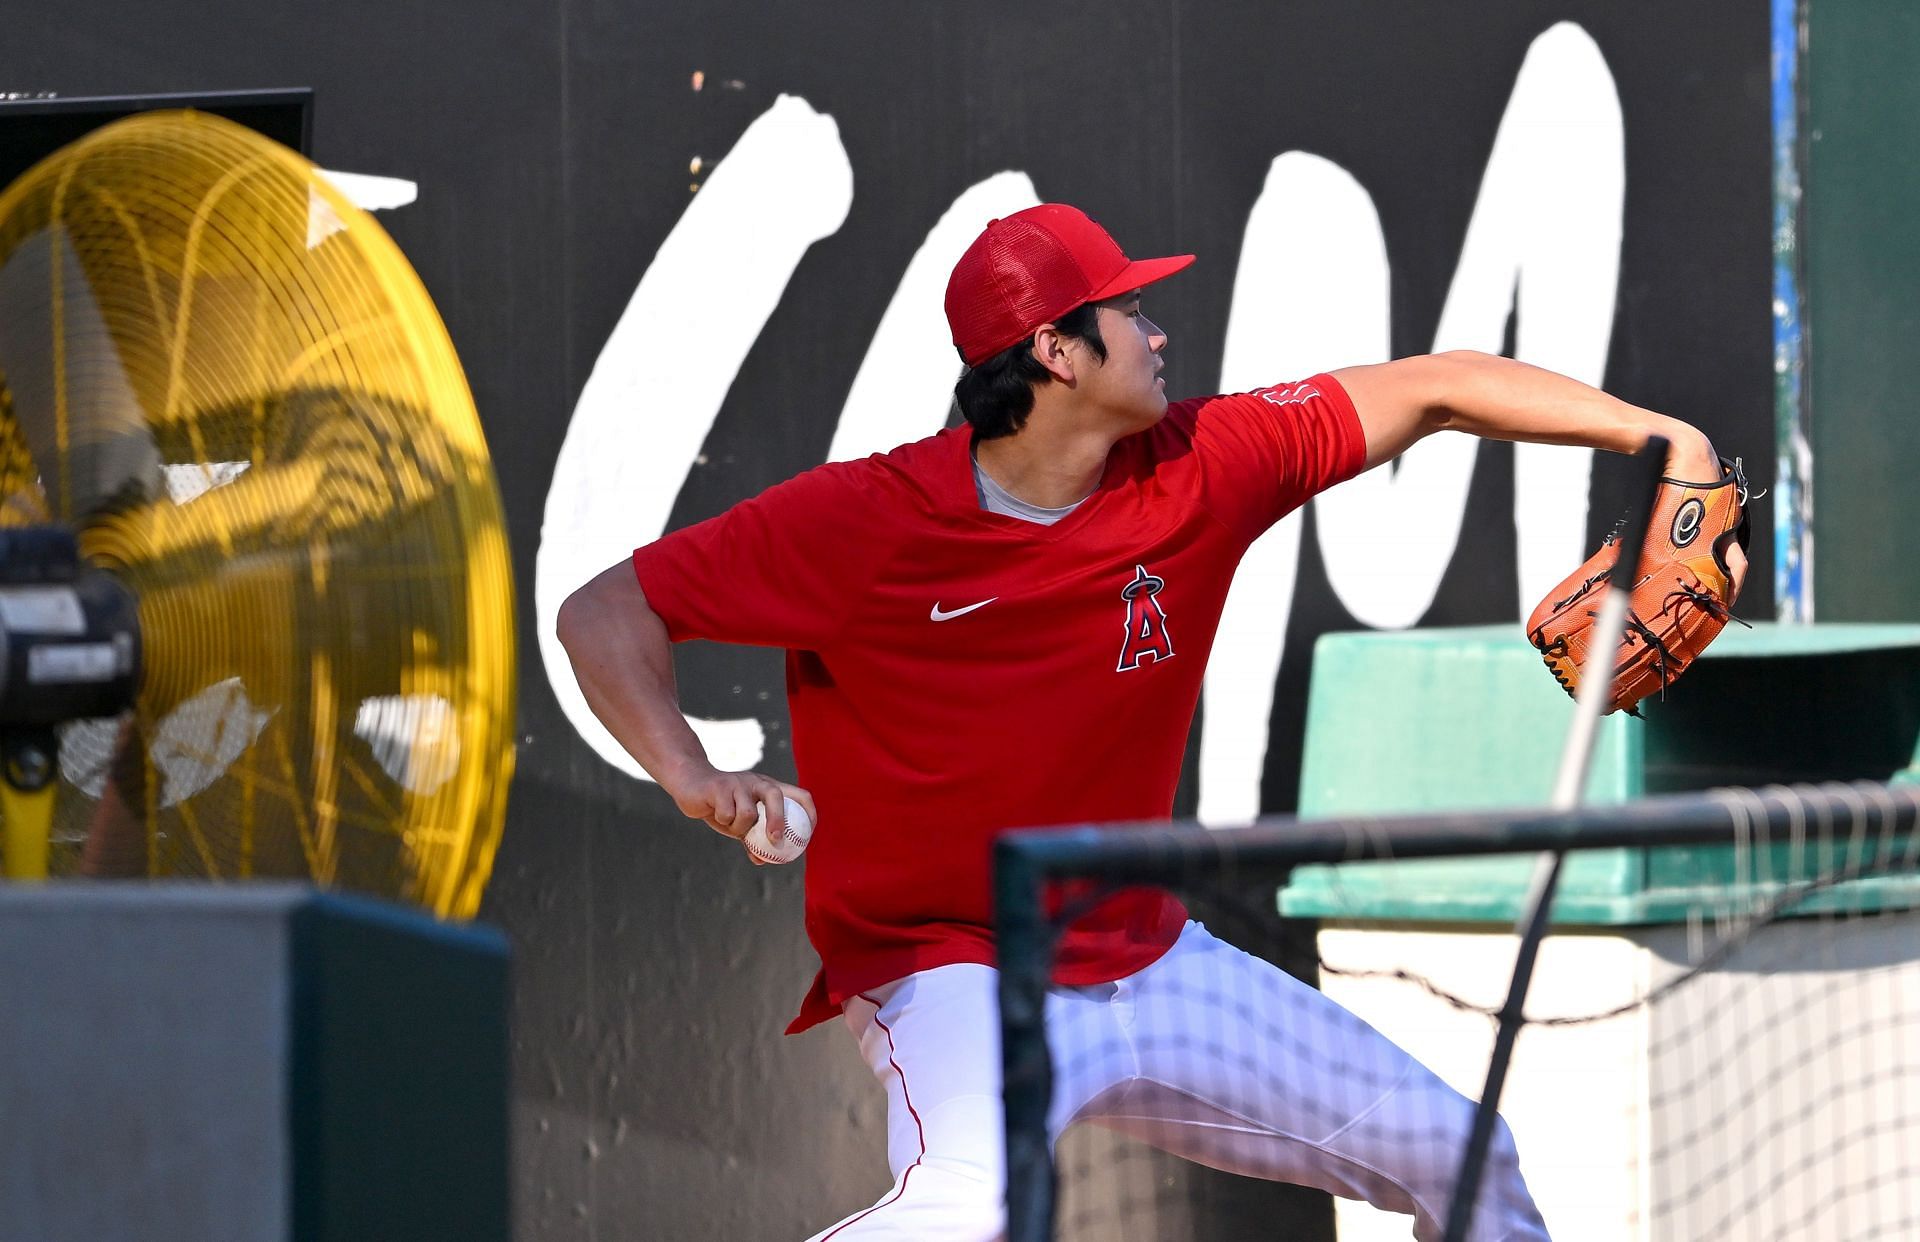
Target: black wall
(552, 146)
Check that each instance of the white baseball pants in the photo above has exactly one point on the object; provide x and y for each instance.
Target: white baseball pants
(1209, 1053)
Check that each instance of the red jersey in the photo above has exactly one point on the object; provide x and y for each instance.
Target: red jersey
(953, 672)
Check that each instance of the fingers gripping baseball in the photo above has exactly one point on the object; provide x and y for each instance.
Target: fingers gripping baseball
(781, 832)
(735, 811)
(771, 819)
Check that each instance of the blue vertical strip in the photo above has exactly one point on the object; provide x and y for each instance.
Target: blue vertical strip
(1793, 476)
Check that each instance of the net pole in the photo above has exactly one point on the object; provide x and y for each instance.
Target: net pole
(1596, 689)
(1025, 953)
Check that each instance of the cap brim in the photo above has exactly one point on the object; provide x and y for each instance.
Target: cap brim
(1139, 273)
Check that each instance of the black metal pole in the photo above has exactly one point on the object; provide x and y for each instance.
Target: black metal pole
(1533, 925)
(1025, 954)
(1145, 852)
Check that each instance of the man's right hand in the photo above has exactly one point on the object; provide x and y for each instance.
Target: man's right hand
(730, 802)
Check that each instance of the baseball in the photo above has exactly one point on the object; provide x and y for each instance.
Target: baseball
(791, 843)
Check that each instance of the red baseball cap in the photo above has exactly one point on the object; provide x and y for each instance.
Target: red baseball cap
(1033, 267)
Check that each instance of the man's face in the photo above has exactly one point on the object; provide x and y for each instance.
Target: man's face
(1128, 382)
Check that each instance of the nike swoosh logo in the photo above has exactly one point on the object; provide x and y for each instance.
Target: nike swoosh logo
(938, 615)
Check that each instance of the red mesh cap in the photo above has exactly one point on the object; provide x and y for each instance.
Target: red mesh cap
(1033, 267)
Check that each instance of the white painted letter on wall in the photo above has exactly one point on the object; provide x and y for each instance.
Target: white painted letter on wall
(1311, 294)
(659, 383)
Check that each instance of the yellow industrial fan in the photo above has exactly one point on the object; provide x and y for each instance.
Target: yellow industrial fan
(255, 596)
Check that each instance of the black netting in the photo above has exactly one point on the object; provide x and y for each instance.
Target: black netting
(1748, 1069)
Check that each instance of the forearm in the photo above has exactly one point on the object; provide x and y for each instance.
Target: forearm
(1501, 399)
(622, 657)
(623, 660)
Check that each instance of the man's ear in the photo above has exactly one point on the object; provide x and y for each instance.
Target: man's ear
(1050, 351)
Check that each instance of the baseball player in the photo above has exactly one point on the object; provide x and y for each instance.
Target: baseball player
(1006, 624)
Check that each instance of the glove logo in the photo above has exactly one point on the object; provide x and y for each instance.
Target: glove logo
(1686, 523)
(1147, 637)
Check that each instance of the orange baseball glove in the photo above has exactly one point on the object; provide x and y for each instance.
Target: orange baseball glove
(1680, 599)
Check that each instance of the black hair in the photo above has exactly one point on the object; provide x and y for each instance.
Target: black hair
(997, 395)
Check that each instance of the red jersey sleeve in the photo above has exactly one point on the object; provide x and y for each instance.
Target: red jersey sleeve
(1265, 453)
(784, 569)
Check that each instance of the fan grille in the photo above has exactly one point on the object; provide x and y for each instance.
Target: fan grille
(229, 381)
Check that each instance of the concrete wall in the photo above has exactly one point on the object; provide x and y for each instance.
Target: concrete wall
(1772, 1096)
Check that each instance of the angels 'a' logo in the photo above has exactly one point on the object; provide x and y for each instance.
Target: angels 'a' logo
(1147, 637)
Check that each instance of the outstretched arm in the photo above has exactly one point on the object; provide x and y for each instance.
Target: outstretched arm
(1401, 402)
(624, 662)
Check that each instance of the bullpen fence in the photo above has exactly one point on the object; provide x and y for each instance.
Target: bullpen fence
(1750, 1069)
